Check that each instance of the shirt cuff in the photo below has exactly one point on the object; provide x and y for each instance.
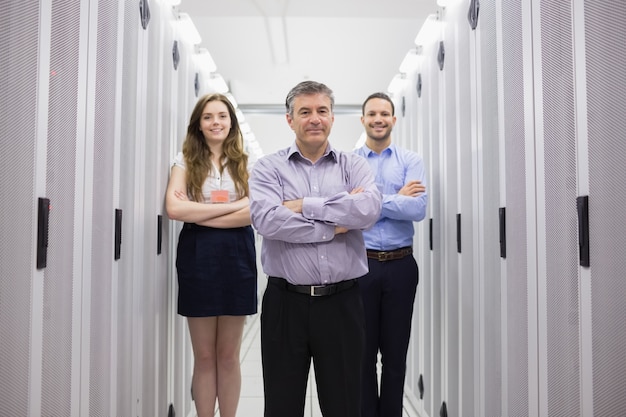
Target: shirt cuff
(312, 207)
(327, 232)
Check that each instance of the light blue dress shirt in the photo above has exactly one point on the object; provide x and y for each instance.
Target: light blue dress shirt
(303, 247)
(392, 169)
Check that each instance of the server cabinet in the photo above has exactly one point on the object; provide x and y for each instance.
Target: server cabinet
(85, 307)
(132, 167)
(601, 127)
(463, 295)
(468, 284)
(415, 137)
(128, 194)
(486, 179)
(566, 51)
(547, 228)
(461, 376)
(436, 212)
(65, 280)
(580, 93)
(556, 173)
(429, 300)
(22, 182)
(406, 134)
(452, 247)
(103, 126)
(155, 284)
(179, 361)
(414, 366)
(517, 200)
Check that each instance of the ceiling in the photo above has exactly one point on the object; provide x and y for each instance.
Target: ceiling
(262, 48)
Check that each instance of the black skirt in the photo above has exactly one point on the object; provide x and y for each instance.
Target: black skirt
(217, 273)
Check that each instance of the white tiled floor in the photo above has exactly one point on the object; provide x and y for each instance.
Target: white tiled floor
(251, 401)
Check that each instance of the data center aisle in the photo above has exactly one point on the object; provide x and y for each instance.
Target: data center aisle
(251, 401)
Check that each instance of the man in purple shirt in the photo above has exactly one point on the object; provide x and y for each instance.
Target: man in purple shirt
(389, 287)
(310, 202)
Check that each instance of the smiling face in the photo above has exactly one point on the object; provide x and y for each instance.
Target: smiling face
(215, 122)
(378, 120)
(311, 121)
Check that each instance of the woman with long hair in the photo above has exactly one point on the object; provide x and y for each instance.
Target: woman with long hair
(216, 259)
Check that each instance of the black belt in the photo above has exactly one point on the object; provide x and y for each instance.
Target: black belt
(389, 255)
(314, 290)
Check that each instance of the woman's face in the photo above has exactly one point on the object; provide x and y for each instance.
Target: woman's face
(215, 122)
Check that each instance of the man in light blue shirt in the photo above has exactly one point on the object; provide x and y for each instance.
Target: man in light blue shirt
(310, 203)
(388, 289)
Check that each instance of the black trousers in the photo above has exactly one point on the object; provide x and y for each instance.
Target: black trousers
(388, 292)
(296, 328)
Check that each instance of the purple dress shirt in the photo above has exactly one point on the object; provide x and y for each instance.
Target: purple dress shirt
(303, 247)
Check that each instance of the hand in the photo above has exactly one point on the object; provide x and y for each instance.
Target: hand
(357, 190)
(294, 205)
(340, 229)
(181, 195)
(412, 188)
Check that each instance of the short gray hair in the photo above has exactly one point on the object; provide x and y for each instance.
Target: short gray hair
(307, 88)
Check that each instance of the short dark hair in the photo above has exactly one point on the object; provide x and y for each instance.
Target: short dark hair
(306, 88)
(381, 96)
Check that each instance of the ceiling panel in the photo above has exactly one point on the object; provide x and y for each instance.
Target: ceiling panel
(263, 48)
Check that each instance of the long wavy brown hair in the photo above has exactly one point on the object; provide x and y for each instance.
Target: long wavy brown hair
(198, 155)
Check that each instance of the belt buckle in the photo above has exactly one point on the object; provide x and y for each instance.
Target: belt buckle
(383, 256)
(313, 288)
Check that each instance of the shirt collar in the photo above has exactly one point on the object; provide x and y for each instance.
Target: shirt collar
(329, 153)
(391, 149)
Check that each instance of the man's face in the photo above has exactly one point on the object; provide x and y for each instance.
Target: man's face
(377, 119)
(312, 120)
